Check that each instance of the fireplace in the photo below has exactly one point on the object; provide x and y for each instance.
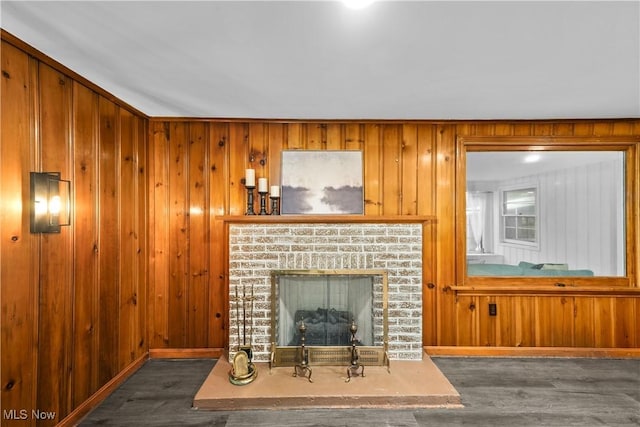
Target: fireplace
(389, 252)
(329, 303)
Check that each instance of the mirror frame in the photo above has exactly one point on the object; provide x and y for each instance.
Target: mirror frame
(630, 146)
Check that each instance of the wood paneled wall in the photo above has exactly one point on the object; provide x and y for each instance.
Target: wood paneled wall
(196, 168)
(74, 303)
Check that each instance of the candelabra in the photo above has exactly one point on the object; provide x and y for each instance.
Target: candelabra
(275, 205)
(263, 202)
(250, 210)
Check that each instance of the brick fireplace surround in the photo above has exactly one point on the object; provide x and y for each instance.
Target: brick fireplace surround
(256, 249)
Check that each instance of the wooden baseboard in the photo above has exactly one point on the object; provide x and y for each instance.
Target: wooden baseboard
(621, 353)
(185, 353)
(96, 398)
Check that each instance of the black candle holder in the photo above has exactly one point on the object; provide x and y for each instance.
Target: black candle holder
(263, 202)
(250, 210)
(275, 205)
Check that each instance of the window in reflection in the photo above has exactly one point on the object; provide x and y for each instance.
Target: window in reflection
(553, 213)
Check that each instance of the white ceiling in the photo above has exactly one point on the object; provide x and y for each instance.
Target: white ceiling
(499, 166)
(321, 60)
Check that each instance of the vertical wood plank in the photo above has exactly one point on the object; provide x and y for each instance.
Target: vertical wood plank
(158, 291)
(85, 344)
(218, 190)
(199, 237)
(238, 162)
(425, 206)
(178, 233)
(622, 129)
(505, 330)
(275, 146)
(543, 129)
(334, 137)
(409, 170)
(583, 129)
(445, 237)
(563, 129)
(258, 150)
(467, 332)
(56, 273)
(522, 129)
(108, 241)
(604, 322)
(524, 318)
(391, 190)
(295, 136)
(487, 325)
(626, 323)
(128, 298)
(354, 139)
(142, 233)
(425, 170)
(584, 322)
(316, 136)
(602, 129)
(554, 321)
(372, 170)
(503, 129)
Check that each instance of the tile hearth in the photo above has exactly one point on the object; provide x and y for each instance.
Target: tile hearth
(409, 384)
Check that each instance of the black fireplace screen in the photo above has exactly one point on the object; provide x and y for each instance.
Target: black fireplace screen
(327, 304)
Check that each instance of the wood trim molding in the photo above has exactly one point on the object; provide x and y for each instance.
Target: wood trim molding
(452, 351)
(553, 290)
(96, 398)
(325, 219)
(185, 353)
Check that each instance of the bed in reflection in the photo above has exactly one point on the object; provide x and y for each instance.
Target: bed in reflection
(525, 269)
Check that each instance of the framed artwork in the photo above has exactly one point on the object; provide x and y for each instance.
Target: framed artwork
(322, 182)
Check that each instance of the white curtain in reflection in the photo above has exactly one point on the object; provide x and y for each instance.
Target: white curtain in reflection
(476, 213)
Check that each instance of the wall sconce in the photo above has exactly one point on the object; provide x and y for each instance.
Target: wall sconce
(50, 202)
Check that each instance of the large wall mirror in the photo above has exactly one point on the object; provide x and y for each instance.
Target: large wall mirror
(546, 210)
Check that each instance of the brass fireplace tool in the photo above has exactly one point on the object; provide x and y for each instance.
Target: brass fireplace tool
(303, 366)
(352, 370)
(243, 371)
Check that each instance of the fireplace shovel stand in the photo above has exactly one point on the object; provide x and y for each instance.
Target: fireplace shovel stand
(243, 371)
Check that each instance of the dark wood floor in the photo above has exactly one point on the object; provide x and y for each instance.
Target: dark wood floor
(495, 392)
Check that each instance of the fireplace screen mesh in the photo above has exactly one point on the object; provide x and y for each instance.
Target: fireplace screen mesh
(328, 304)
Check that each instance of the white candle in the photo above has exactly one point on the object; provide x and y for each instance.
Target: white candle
(250, 177)
(262, 185)
(275, 191)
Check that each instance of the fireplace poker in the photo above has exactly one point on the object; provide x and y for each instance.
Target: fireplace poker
(238, 315)
(244, 316)
(251, 320)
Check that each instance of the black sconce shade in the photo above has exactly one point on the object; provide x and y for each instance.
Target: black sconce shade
(50, 202)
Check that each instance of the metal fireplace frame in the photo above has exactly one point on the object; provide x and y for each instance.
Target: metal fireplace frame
(331, 355)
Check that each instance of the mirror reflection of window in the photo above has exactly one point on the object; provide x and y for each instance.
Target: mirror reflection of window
(545, 213)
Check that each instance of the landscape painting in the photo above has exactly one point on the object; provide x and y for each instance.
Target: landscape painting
(322, 182)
